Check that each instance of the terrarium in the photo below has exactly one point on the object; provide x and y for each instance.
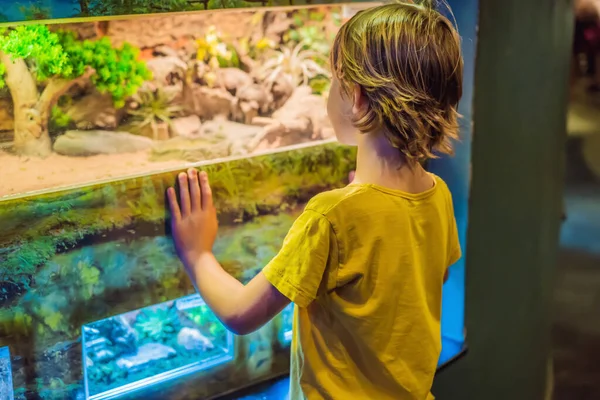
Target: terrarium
(145, 347)
(6, 385)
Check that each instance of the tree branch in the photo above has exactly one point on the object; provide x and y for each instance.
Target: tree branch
(58, 87)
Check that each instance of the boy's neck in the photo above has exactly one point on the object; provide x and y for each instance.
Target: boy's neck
(381, 164)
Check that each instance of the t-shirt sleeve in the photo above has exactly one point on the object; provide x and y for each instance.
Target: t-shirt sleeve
(300, 267)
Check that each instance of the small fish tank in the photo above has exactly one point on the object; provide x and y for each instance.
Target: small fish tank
(145, 347)
(6, 384)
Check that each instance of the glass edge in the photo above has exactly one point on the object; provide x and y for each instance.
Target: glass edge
(74, 20)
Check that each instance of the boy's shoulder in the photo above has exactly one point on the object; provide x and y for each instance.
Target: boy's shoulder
(331, 201)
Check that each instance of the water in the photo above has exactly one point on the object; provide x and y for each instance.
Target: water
(6, 385)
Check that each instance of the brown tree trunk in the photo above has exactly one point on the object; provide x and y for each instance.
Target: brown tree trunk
(31, 137)
(32, 110)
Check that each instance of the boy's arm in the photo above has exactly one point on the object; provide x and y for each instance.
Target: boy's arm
(241, 308)
(295, 274)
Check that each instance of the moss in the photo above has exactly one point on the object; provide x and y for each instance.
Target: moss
(35, 228)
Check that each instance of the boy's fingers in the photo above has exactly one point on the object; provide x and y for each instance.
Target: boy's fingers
(196, 202)
(207, 200)
(184, 194)
(173, 205)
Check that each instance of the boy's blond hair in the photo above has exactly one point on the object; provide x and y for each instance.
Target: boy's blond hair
(406, 58)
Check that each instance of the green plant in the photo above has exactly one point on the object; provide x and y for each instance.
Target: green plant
(59, 119)
(312, 37)
(153, 107)
(295, 65)
(320, 84)
(103, 373)
(203, 317)
(36, 10)
(214, 51)
(157, 325)
(32, 54)
(123, 7)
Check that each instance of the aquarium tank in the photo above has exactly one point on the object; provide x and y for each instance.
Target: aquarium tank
(97, 117)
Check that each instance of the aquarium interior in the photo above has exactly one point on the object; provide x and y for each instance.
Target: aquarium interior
(91, 288)
(6, 384)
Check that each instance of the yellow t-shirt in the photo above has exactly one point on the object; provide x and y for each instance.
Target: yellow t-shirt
(365, 266)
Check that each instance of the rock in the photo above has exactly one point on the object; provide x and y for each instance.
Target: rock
(165, 51)
(95, 110)
(189, 149)
(236, 135)
(188, 127)
(301, 119)
(256, 94)
(104, 355)
(87, 143)
(278, 24)
(233, 79)
(218, 138)
(210, 103)
(147, 355)
(282, 90)
(158, 131)
(165, 68)
(192, 339)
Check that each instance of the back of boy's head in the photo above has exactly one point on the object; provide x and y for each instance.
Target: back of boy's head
(406, 59)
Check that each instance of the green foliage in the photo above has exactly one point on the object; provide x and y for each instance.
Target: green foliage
(104, 373)
(309, 27)
(320, 84)
(217, 4)
(312, 37)
(214, 51)
(62, 55)
(124, 7)
(296, 65)
(153, 106)
(157, 325)
(89, 277)
(36, 10)
(58, 118)
(206, 320)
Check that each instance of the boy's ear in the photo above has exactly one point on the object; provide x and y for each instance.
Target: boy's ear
(359, 102)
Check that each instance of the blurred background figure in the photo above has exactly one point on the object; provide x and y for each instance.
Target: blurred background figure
(587, 42)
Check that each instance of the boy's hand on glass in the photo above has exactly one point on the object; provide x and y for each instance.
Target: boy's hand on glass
(194, 218)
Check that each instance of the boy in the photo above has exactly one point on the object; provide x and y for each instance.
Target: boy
(365, 264)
